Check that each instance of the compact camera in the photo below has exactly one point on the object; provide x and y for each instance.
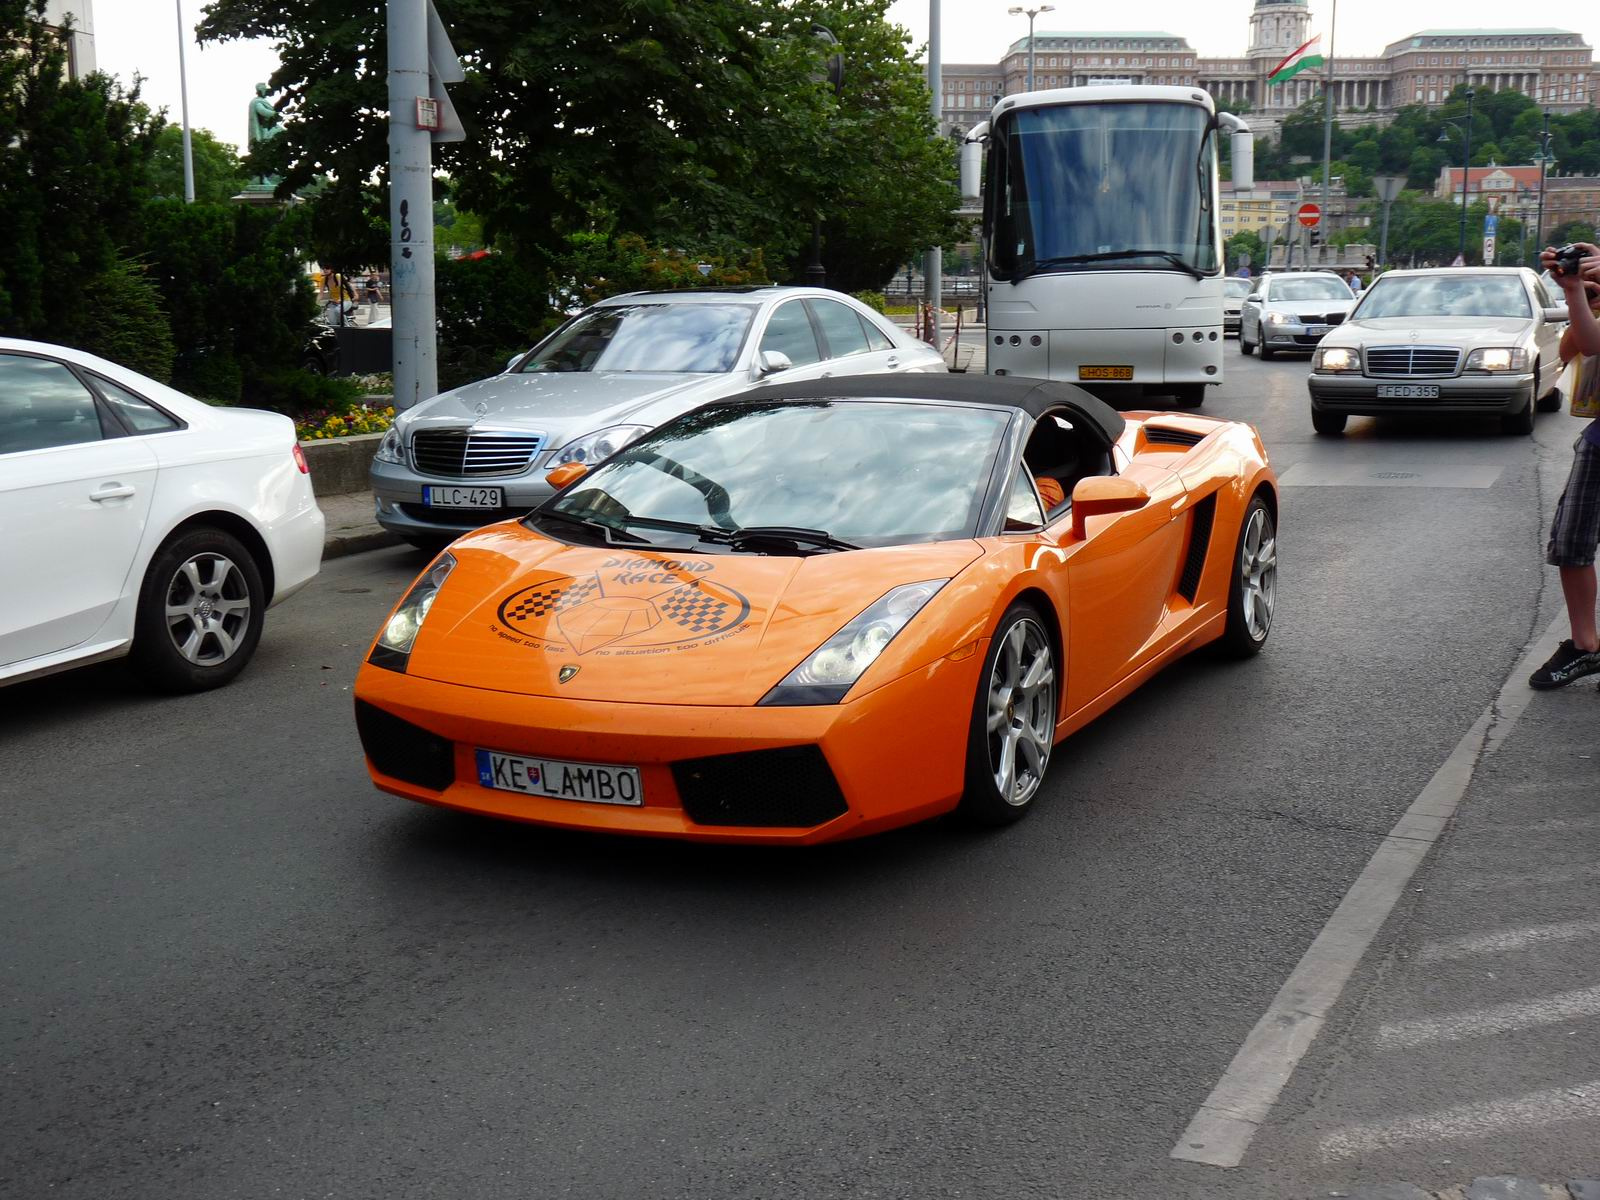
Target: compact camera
(1567, 259)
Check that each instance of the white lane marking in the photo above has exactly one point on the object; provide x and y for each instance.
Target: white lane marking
(1533, 882)
(1448, 1126)
(1495, 1019)
(1503, 941)
(1428, 475)
(1225, 1124)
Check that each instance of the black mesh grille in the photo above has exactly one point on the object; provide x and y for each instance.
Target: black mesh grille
(1194, 561)
(405, 751)
(792, 787)
(1160, 435)
(458, 452)
(461, 518)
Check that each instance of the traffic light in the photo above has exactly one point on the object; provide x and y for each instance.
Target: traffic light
(1315, 237)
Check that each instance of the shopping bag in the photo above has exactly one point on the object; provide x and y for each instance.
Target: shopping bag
(1584, 398)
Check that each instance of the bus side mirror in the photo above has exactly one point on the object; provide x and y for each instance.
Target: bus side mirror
(1242, 151)
(971, 170)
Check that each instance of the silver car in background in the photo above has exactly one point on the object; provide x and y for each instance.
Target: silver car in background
(1465, 340)
(1292, 311)
(1234, 289)
(480, 453)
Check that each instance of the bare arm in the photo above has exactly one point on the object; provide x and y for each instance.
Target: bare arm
(1584, 331)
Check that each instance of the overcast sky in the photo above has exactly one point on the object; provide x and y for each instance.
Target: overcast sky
(142, 36)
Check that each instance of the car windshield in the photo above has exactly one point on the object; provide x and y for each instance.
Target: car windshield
(1446, 296)
(1102, 187)
(871, 473)
(1235, 288)
(1310, 289)
(680, 338)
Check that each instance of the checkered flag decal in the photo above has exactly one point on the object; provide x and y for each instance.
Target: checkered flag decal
(694, 610)
(556, 596)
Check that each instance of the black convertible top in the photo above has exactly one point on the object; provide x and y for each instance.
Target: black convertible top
(1033, 396)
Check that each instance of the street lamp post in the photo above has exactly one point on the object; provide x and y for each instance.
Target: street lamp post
(833, 74)
(1544, 160)
(1032, 13)
(183, 94)
(1466, 169)
(1388, 188)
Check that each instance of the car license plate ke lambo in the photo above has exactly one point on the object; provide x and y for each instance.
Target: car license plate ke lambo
(592, 783)
(1408, 391)
(463, 497)
(1123, 373)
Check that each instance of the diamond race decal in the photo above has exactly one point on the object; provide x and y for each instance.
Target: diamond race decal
(631, 604)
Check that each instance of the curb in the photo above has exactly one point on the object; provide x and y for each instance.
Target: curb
(337, 545)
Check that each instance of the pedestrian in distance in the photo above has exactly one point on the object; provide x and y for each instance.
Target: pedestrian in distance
(1575, 528)
(372, 299)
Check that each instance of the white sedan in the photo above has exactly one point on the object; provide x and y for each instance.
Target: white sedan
(137, 521)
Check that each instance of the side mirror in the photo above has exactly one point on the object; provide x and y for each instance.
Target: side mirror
(1100, 495)
(1556, 314)
(514, 359)
(769, 361)
(1253, 298)
(566, 474)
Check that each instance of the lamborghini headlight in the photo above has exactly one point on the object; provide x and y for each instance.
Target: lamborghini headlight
(1497, 359)
(832, 668)
(1338, 358)
(393, 648)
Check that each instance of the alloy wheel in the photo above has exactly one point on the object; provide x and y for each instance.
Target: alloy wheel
(1258, 574)
(1021, 712)
(208, 609)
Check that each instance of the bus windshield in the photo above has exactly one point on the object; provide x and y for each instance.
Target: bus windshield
(1115, 186)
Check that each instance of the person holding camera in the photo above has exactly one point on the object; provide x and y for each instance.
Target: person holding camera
(1575, 529)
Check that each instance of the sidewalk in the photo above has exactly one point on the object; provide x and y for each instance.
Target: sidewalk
(351, 526)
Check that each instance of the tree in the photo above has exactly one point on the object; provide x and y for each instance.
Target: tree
(218, 173)
(1244, 242)
(74, 161)
(685, 123)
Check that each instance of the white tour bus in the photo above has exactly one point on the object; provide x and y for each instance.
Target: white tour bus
(1103, 259)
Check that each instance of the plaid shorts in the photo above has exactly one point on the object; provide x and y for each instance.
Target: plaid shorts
(1575, 531)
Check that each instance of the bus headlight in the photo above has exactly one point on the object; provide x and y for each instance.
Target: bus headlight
(1497, 359)
(1338, 358)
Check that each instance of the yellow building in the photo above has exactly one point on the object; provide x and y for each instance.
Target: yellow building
(1253, 214)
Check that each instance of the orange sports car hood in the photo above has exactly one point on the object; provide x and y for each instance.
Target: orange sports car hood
(524, 613)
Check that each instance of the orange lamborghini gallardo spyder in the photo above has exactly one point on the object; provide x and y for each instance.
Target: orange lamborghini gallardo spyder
(821, 610)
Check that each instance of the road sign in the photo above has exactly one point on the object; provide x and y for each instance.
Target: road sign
(1488, 250)
(1309, 215)
(1491, 225)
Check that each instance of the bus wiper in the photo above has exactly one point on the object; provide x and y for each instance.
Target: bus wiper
(754, 537)
(610, 534)
(1066, 260)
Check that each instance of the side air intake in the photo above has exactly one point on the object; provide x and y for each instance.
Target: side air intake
(1194, 562)
(1161, 435)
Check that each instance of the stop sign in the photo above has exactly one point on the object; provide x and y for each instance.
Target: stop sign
(1309, 215)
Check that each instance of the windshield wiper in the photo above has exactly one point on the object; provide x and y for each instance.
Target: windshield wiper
(1066, 260)
(752, 537)
(610, 534)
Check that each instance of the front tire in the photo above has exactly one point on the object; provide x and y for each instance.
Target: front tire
(1246, 348)
(1267, 352)
(1521, 423)
(1329, 423)
(1253, 589)
(1013, 721)
(201, 608)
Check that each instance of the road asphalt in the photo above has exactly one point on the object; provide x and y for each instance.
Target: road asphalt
(233, 969)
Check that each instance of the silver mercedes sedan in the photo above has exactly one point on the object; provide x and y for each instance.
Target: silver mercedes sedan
(480, 453)
(1461, 340)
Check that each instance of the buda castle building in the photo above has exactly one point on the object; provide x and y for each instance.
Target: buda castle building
(1553, 67)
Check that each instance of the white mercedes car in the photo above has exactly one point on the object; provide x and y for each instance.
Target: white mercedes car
(136, 521)
(480, 453)
(1479, 341)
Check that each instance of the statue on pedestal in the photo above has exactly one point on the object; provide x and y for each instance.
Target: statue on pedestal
(266, 123)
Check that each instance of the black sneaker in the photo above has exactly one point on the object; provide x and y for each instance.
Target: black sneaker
(1566, 664)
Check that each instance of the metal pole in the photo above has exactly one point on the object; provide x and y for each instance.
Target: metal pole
(1466, 170)
(1031, 15)
(1544, 161)
(416, 372)
(1327, 123)
(183, 93)
(933, 262)
(1383, 244)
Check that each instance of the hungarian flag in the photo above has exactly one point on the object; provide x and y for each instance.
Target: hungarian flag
(1304, 59)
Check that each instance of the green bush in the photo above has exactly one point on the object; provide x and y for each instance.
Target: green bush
(488, 309)
(119, 317)
(297, 393)
(873, 300)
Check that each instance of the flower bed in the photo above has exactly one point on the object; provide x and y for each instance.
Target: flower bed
(370, 416)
